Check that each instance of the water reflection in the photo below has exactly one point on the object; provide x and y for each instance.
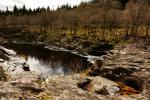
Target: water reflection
(47, 62)
(45, 68)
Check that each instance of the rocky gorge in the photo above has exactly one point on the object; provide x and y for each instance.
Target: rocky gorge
(121, 74)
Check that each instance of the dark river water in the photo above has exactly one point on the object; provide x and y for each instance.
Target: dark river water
(49, 62)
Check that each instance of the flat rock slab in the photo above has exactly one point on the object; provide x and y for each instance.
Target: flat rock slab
(66, 88)
(7, 91)
(131, 56)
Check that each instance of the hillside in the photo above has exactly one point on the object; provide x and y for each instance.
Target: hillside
(109, 21)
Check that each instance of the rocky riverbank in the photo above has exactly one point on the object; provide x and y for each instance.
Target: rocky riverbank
(124, 75)
(84, 44)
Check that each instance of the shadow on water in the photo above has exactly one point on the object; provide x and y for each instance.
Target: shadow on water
(48, 62)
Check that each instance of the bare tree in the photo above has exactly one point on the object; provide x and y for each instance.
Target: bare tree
(136, 13)
(104, 16)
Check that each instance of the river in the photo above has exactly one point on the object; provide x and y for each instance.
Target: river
(48, 61)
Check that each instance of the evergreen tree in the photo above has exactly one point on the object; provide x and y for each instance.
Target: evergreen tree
(65, 7)
(30, 12)
(15, 10)
(48, 9)
(7, 11)
(24, 11)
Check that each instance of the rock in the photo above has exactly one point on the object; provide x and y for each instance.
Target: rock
(65, 87)
(3, 76)
(139, 61)
(32, 86)
(45, 96)
(1, 60)
(85, 43)
(25, 67)
(119, 65)
(100, 83)
(7, 91)
(134, 82)
(98, 63)
(7, 51)
(2, 51)
(116, 74)
(27, 81)
(133, 66)
(25, 77)
(102, 91)
(94, 72)
(70, 47)
(64, 41)
(3, 56)
(95, 68)
(15, 64)
(84, 84)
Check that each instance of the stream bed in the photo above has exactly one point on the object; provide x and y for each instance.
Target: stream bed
(47, 61)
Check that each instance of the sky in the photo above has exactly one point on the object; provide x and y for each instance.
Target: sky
(53, 4)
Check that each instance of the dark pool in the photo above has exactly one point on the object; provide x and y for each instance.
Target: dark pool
(49, 62)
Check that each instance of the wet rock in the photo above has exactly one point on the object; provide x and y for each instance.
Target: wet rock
(25, 67)
(7, 51)
(3, 56)
(134, 82)
(3, 51)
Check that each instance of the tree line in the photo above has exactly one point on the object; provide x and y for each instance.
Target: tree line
(24, 11)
